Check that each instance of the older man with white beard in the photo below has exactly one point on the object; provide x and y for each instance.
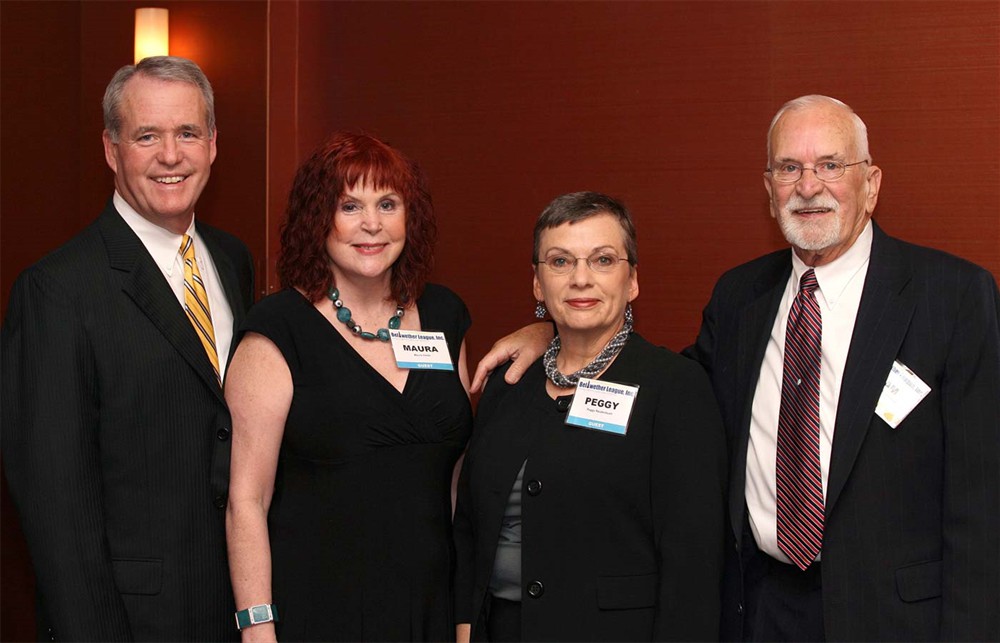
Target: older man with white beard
(858, 379)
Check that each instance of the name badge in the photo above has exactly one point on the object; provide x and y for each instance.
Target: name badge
(419, 349)
(902, 392)
(605, 406)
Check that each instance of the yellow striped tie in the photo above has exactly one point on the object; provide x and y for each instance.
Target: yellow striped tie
(196, 303)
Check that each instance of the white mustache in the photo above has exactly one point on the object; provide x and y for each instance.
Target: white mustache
(824, 202)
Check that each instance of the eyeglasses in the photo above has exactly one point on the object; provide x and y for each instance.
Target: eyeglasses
(826, 171)
(598, 262)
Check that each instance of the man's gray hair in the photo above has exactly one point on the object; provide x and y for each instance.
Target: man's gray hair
(167, 68)
(803, 102)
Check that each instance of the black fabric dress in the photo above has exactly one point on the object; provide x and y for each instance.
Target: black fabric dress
(622, 535)
(360, 521)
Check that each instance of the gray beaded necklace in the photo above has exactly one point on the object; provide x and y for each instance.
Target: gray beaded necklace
(608, 353)
(344, 315)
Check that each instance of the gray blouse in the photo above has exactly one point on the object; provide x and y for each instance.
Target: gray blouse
(505, 582)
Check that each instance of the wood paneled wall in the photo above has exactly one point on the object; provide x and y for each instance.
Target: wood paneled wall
(666, 105)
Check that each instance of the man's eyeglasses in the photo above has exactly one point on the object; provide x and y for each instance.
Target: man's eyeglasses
(598, 262)
(826, 171)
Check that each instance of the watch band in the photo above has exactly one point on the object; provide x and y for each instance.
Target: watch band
(256, 615)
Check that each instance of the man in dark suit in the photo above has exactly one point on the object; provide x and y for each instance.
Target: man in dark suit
(115, 432)
(909, 411)
(865, 452)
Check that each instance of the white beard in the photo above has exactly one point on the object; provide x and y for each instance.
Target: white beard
(810, 234)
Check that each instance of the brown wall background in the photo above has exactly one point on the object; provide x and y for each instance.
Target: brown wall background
(506, 105)
(666, 105)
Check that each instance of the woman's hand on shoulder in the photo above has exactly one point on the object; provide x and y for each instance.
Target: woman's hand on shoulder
(523, 346)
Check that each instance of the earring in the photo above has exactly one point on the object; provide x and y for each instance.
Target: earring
(540, 310)
(628, 314)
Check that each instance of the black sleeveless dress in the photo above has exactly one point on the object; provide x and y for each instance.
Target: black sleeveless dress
(360, 521)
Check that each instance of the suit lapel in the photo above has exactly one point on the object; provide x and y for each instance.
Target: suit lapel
(145, 285)
(227, 274)
(887, 304)
(755, 322)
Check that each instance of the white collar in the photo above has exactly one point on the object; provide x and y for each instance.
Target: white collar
(834, 277)
(162, 244)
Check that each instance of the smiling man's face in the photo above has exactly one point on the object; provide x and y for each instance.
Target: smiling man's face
(820, 219)
(164, 152)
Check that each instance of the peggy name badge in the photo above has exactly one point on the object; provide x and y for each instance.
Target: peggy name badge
(605, 406)
(418, 349)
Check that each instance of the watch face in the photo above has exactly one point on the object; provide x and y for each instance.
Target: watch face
(260, 614)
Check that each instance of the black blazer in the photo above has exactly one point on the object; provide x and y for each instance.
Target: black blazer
(624, 533)
(911, 545)
(116, 440)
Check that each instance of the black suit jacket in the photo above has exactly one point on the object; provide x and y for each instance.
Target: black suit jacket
(624, 533)
(911, 545)
(116, 440)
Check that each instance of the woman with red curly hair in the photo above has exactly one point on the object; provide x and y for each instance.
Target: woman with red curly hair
(348, 414)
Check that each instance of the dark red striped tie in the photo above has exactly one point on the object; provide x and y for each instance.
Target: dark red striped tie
(799, 479)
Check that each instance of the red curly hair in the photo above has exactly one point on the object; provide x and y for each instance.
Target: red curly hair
(342, 162)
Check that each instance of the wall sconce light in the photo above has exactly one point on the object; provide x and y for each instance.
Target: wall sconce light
(152, 33)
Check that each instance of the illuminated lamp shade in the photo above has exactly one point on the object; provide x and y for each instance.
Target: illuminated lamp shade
(152, 33)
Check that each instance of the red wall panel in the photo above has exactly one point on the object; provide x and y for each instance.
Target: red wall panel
(39, 150)
(666, 105)
(38, 212)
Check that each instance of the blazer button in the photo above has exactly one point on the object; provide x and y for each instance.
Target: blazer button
(223, 434)
(534, 487)
(739, 609)
(563, 402)
(220, 501)
(536, 589)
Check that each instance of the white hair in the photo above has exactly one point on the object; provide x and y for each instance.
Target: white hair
(803, 102)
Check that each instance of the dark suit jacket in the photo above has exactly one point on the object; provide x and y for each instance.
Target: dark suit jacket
(624, 533)
(911, 546)
(116, 440)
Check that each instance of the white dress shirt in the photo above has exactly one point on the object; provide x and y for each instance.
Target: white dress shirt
(839, 296)
(164, 246)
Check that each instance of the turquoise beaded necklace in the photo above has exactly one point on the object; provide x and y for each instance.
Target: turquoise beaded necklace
(344, 315)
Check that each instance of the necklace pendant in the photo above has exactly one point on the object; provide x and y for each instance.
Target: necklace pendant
(344, 315)
(611, 349)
